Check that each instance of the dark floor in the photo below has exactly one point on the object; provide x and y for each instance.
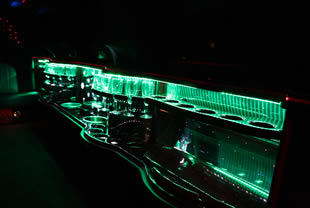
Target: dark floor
(45, 163)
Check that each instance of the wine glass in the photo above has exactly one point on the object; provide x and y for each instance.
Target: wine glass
(116, 88)
(148, 87)
(106, 83)
(105, 87)
(131, 89)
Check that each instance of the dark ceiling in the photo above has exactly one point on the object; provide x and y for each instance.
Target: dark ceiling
(189, 26)
(266, 40)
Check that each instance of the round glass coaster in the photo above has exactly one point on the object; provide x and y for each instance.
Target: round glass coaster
(71, 105)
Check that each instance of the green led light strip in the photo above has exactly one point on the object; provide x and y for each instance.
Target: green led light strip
(60, 69)
(251, 111)
(43, 60)
(253, 188)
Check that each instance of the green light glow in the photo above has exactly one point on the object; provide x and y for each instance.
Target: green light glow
(208, 194)
(248, 185)
(252, 109)
(255, 111)
(258, 181)
(95, 119)
(246, 158)
(71, 105)
(236, 162)
(142, 169)
(94, 104)
(148, 87)
(117, 85)
(60, 69)
(43, 60)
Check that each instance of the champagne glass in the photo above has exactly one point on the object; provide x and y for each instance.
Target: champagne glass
(148, 87)
(116, 88)
(131, 89)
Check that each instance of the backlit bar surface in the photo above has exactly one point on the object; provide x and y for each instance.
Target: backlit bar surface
(187, 140)
(250, 111)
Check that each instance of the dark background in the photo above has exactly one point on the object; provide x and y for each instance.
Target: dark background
(260, 46)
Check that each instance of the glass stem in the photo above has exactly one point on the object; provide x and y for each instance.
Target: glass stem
(115, 105)
(145, 106)
(129, 108)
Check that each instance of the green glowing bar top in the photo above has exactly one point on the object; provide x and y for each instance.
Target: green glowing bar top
(249, 111)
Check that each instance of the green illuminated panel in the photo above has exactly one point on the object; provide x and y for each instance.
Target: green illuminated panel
(248, 108)
(70, 69)
(245, 162)
(258, 113)
(249, 186)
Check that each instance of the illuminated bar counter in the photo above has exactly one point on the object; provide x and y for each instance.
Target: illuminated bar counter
(194, 144)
